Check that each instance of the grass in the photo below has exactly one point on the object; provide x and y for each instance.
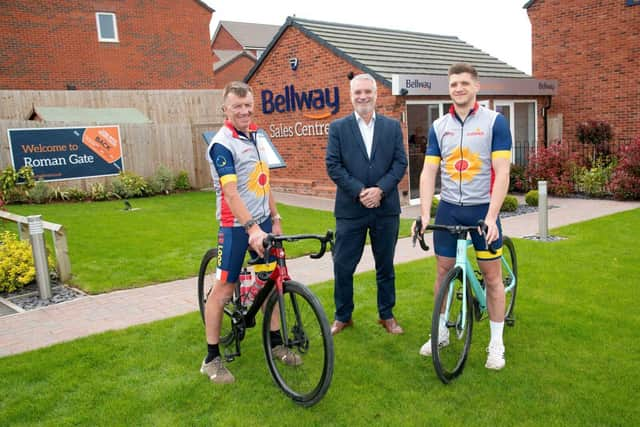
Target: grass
(572, 357)
(162, 240)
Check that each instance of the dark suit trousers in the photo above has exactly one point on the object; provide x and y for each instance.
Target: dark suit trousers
(350, 239)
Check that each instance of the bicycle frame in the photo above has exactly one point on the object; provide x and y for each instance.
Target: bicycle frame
(246, 319)
(480, 293)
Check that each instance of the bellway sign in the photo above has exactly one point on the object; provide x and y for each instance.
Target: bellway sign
(416, 84)
(67, 153)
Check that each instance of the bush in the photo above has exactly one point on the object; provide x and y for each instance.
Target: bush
(552, 165)
(596, 133)
(625, 180)
(595, 180)
(517, 179)
(182, 181)
(163, 182)
(10, 189)
(40, 193)
(510, 204)
(128, 185)
(16, 262)
(99, 192)
(532, 198)
(60, 194)
(77, 194)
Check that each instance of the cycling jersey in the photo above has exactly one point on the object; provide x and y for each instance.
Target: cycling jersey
(464, 151)
(234, 156)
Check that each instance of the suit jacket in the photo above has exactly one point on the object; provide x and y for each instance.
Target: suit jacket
(351, 169)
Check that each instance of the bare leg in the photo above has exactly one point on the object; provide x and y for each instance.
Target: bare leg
(492, 272)
(220, 295)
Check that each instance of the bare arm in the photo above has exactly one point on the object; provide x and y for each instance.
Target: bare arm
(501, 168)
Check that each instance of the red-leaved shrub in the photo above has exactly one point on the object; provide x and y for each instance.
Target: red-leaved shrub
(625, 181)
(554, 165)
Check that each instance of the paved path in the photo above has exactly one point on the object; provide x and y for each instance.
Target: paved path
(88, 315)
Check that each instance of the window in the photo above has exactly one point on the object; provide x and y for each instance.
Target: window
(633, 2)
(107, 28)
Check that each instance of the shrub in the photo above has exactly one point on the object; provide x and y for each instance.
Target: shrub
(598, 134)
(552, 165)
(99, 192)
(40, 193)
(163, 181)
(60, 194)
(518, 179)
(16, 262)
(128, 185)
(510, 204)
(625, 180)
(532, 198)
(182, 181)
(77, 194)
(595, 180)
(11, 190)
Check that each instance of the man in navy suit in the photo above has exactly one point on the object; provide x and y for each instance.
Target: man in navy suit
(366, 160)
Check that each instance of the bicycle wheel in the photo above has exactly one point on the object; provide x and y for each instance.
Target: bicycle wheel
(310, 341)
(509, 278)
(450, 357)
(206, 279)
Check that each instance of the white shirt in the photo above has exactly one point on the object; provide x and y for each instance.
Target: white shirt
(366, 130)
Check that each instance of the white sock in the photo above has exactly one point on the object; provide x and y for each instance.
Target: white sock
(496, 333)
(443, 323)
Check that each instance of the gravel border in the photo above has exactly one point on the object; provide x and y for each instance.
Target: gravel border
(28, 297)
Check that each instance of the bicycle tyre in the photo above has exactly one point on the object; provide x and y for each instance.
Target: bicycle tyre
(509, 256)
(206, 279)
(449, 360)
(310, 338)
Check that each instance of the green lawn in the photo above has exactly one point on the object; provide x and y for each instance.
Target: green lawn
(572, 357)
(162, 240)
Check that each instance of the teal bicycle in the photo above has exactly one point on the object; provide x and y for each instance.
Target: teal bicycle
(462, 297)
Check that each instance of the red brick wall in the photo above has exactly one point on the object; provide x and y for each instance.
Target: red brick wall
(318, 68)
(164, 44)
(592, 48)
(225, 41)
(236, 70)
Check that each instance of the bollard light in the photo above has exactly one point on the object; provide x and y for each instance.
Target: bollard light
(543, 212)
(36, 234)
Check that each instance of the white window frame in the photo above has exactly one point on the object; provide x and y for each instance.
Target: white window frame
(512, 119)
(115, 39)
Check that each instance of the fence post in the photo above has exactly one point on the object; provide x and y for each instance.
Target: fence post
(543, 213)
(36, 231)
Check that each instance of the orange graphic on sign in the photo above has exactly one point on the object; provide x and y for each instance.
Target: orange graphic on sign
(104, 141)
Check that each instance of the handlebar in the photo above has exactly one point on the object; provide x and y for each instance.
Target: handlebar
(271, 240)
(453, 229)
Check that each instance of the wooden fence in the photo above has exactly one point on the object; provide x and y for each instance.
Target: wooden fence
(173, 139)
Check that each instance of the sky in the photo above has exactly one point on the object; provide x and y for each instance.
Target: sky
(500, 28)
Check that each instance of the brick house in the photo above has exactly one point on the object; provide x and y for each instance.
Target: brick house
(301, 84)
(105, 44)
(592, 49)
(236, 46)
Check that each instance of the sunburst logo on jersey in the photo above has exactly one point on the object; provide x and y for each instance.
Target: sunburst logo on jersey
(259, 179)
(463, 167)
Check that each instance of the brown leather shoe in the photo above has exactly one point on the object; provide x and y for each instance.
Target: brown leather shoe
(391, 326)
(338, 326)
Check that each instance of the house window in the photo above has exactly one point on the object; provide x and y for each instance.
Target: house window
(633, 2)
(107, 27)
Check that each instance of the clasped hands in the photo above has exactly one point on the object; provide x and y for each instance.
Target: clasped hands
(370, 197)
